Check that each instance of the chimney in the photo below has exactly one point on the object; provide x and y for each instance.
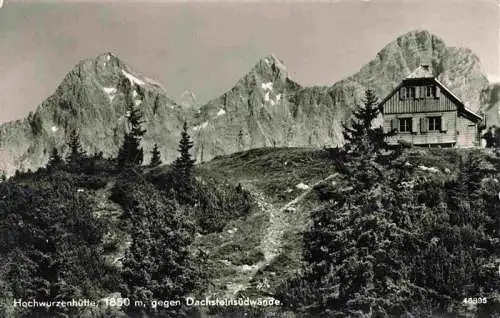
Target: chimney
(425, 67)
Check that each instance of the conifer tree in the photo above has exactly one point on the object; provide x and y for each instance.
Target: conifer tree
(183, 165)
(360, 136)
(76, 153)
(55, 159)
(3, 176)
(156, 157)
(365, 144)
(131, 152)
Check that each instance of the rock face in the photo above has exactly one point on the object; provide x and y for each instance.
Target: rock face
(91, 99)
(265, 107)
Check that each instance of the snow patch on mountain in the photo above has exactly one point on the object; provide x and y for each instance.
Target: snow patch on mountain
(221, 112)
(154, 83)
(110, 91)
(132, 78)
(204, 125)
(54, 128)
(267, 86)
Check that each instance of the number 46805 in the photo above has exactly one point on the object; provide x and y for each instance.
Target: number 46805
(480, 300)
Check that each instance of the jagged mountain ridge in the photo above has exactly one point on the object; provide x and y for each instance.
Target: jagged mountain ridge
(264, 108)
(267, 108)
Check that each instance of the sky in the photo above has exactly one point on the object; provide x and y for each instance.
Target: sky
(205, 47)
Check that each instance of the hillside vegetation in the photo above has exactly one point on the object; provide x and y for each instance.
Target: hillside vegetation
(359, 231)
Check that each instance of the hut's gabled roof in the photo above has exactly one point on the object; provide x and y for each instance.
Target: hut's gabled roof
(424, 72)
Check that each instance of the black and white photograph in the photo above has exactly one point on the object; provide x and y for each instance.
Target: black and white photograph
(240, 159)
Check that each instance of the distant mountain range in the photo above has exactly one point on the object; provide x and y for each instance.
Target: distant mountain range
(264, 108)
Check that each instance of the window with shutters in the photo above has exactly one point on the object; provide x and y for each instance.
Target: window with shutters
(434, 123)
(405, 125)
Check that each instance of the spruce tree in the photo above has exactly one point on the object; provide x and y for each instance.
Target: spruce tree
(76, 153)
(156, 157)
(183, 165)
(365, 144)
(360, 136)
(55, 159)
(131, 152)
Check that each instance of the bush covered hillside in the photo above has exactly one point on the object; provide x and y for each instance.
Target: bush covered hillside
(88, 228)
(358, 231)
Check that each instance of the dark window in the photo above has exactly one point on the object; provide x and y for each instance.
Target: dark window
(434, 123)
(410, 92)
(405, 125)
(431, 91)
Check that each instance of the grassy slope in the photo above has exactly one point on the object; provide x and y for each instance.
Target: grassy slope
(248, 245)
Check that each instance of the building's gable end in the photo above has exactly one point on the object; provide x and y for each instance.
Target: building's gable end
(416, 99)
(422, 111)
(388, 97)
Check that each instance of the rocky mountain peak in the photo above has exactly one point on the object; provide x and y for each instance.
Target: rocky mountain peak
(270, 68)
(104, 65)
(106, 72)
(458, 68)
